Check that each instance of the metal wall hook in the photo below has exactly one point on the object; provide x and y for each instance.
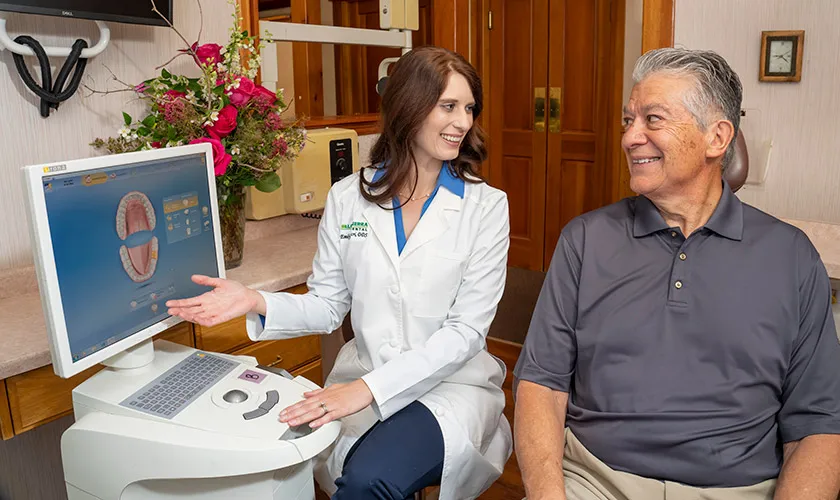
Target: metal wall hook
(6, 42)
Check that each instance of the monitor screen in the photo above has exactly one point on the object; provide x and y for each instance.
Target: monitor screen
(123, 239)
(125, 11)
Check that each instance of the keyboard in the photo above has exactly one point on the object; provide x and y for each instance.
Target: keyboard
(179, 386)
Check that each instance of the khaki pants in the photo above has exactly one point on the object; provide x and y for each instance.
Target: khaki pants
(587, 478)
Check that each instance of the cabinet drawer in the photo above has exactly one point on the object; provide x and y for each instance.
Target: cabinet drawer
(40, 396)
(230, 335)
(287, 353)
(6, 430)
(312, 372)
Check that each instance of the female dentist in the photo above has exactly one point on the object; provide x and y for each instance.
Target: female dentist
(416, 247)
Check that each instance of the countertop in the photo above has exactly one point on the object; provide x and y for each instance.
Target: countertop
(278, 255)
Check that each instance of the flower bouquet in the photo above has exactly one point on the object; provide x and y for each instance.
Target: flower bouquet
(224, 107)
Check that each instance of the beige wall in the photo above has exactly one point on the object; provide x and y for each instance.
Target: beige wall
(26, 138)
(803, 177)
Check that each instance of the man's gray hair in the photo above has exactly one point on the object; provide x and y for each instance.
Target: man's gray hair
(718, 90)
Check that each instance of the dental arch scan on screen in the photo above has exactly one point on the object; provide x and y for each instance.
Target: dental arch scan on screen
(125, 240)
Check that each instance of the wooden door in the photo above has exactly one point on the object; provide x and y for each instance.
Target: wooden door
(518, 69)
(550, 80)
(578, 142)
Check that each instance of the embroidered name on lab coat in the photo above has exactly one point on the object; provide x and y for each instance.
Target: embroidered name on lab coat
(354, 230)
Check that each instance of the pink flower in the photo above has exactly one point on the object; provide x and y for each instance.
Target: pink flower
(156, 144)
(209, 53)
(174, 111)
(141, 88)
(225, 124)
(221, 159)
(264, 98)
(273, 122)
(240, 96)
(280, 147)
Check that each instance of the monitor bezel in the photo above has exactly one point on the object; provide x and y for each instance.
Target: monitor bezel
(41, 240)
(93, 16)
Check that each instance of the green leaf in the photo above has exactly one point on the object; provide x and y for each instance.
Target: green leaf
(165, 73)
(180, 87)
(126, 118)
(269, 183)
(143, 131)
(194, 86)
(172, 133)
(149, 121)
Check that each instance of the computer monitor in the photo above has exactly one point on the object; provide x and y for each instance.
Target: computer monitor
(114, 238)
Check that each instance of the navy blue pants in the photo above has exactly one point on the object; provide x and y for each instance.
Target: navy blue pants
(394, 459)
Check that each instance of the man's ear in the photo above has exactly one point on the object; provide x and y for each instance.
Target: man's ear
(720, 134)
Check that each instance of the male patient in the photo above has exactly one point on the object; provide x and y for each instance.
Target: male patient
(683, 337)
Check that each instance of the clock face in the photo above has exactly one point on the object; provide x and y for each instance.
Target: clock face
(781, 57)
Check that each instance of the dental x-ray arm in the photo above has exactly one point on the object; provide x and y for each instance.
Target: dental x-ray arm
(399, 16)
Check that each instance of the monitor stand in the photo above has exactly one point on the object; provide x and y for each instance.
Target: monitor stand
(134, 357)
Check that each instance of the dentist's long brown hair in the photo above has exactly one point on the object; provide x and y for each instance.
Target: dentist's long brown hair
(411, 92)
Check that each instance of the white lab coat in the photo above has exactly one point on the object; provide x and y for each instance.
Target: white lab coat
(420, 321)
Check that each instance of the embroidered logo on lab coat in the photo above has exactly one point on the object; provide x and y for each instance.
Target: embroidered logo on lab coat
(353, 230)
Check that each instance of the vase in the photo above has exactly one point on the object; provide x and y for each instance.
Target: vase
(232, 222)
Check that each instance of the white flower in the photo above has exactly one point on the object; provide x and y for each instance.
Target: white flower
(214, 117)
(234, 150)
(133, 136)
(124, 132)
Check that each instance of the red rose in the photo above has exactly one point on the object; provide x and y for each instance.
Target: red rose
(240, 96)
(225, 124)
(221, 159)
(209, 53)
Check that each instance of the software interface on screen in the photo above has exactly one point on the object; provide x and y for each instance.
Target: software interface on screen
(125, 240)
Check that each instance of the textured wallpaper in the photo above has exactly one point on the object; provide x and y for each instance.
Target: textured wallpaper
(26, 138)
(803, 176)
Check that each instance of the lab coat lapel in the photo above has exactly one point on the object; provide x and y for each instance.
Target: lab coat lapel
(381, 222)
(434, 222)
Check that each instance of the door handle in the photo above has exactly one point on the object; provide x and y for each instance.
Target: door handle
(539, 109)
(554, 105)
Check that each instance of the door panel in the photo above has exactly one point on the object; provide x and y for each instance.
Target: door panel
(579, 65)
(517, 65)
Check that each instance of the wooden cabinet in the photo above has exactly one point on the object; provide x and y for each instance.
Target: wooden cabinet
(40, 396)
(312, 372)
(287, 354)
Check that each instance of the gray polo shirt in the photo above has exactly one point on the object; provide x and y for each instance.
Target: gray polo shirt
(687, 359)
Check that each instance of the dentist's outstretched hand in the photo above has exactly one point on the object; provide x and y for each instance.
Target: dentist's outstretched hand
(227, 300)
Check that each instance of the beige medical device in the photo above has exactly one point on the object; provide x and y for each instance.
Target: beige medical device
(330, 155)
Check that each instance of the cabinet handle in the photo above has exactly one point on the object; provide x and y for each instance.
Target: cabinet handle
(539, 109)
(554, 104)
(276, 362)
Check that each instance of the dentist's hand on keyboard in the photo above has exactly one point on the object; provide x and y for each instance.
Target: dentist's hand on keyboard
(227, 300)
